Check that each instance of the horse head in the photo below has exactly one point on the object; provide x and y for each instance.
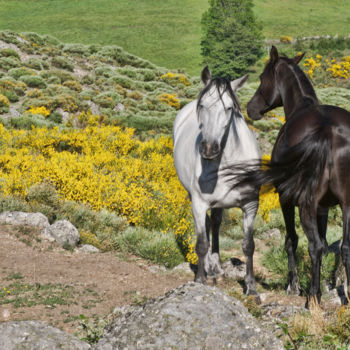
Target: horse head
(268, 94)
(216, 106)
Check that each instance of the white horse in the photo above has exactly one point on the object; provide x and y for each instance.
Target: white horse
(210, 135)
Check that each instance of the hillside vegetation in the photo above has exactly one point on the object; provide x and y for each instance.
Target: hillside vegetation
(166, 33)
(67, 151)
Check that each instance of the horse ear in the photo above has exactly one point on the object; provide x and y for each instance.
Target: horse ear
(273, 54)
(298, 58)
(205, 75)
(238, 83)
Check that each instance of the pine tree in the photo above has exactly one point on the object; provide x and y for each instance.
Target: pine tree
(232, 39)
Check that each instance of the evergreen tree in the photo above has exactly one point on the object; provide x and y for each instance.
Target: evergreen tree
(232, 39)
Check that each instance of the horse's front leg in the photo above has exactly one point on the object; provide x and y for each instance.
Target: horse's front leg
(249, 213)
(214, 263)
(202, 225)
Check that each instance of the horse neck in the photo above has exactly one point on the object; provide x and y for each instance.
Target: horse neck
(295, 89)
(240, 143)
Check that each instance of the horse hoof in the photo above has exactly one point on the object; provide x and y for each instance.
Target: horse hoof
(293, 290)
(220, 278)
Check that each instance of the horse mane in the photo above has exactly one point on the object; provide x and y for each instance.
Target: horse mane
(222, 85)
(304, 83)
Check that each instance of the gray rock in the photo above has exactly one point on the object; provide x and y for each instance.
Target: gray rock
(95, 110)
(193, 316)
(20, 218)
(119, 107)
(234, 268)
(88, 248)
(35, 335)
(156, 268)
(185, 267)
(274, 234)
(63, 232)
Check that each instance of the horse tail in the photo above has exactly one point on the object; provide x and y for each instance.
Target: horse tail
(298, 171)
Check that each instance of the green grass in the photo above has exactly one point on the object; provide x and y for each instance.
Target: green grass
(166, 33)
(303, 17)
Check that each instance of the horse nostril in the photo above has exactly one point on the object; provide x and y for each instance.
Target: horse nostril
(215, 147)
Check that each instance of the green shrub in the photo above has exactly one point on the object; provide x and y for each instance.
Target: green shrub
(73, 85)
(33, 81)
(8, 52)
(87, 79)
(16, 73)
(28, 121)
(232, 39)
(157, 247)
(9, 62)
(63, 63)
(36, 63)
(55, 117)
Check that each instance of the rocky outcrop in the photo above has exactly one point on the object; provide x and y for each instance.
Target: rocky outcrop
(35, 335)
(20, 218)
(190, 317)
(63, 232)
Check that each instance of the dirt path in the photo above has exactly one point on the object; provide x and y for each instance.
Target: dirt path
(41, 281)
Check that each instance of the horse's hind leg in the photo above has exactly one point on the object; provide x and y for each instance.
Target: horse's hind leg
(249, 213)
(291, 244)
(308, 218)
(322, 220)
(345, 247)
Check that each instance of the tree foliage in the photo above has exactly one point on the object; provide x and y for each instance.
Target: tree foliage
(232, 39)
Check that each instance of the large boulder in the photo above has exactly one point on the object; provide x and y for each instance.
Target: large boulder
(35, 335)
(63, 232)
(20, 218)
(194, 317)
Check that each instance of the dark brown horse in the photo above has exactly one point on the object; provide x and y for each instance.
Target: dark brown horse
(310, 162)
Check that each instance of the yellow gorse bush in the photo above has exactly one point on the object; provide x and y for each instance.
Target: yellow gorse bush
(105, 167)
(170, 100)
(42, 110)
(337, 69)
(4, 102)
(268, 198)
(175, 78)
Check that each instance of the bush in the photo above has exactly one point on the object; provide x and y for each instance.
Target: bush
(4, 104)
(28, 121)
(157, 247)
(8, 52)
(36, 63)
(232, 40)
(33, 81)
(9, 62)
(63, 63)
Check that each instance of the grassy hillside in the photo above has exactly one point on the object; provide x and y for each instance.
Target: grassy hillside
(167, 33)
(68, 82)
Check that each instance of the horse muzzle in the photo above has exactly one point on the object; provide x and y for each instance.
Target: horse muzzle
(210, 150)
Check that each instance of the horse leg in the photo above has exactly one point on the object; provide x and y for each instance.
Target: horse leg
(216, 218)
(202, 225)
(308, 218)
(345, 247)
(322, 220)
(291, 244)
(248, 246)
